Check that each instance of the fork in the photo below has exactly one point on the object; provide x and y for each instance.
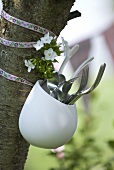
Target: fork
(83, 83)
(76, 96)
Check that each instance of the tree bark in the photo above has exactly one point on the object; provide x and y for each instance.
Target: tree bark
(50, 14)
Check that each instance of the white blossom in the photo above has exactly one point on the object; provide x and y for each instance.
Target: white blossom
(38, 45)
(50, 54)
(47, 39)
(1, 7)
(29, 65)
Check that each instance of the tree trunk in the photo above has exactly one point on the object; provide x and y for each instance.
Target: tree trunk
(50, 14)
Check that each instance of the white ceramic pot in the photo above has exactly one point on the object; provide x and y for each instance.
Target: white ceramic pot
(45, 122)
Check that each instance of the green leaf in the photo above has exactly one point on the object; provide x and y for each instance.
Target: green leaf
(55, 61)
(111, 144)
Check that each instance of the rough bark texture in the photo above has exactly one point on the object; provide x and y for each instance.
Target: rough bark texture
(51, 14)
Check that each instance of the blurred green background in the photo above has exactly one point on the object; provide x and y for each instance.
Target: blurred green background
(92, 147)
(98, 125)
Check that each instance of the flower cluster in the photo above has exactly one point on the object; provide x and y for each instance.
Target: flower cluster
(48, 46)
(55, 83)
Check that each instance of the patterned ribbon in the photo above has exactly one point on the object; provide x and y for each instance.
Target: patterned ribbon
(16, 44)
(14, 78)
(25, 24)
(5, 42)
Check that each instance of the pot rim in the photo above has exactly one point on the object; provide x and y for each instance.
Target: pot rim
(43, 91)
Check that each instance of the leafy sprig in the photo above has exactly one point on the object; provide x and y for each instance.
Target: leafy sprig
(55, 83)
(49, 50)
(58, 87)
(45, 67)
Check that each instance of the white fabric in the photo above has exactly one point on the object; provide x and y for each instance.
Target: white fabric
(1, 7)
(97, 16)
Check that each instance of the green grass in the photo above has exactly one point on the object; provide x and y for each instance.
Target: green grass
(38, 159)
(102, 107)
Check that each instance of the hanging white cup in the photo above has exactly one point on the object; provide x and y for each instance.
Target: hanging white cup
(44, 121)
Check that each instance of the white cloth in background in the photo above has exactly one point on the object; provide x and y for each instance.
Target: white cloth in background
(1, 7)
(97, 16)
